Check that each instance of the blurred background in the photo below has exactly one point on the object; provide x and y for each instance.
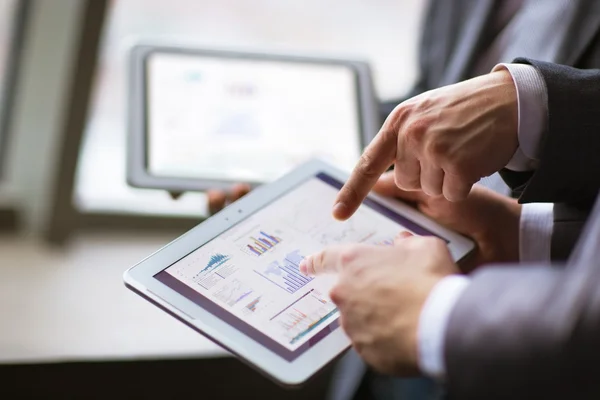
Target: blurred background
(70, 225)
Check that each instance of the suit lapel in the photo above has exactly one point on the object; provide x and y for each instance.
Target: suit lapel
(475, 15)
(584, 26)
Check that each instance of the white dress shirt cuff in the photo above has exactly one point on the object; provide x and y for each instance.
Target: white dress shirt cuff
(532, 98)
(433, 323)
(535, 232)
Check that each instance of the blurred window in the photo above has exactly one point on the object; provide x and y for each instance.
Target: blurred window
(383, 32)
(10, 26)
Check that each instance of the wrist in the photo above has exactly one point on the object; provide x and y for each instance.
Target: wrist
(499, 239)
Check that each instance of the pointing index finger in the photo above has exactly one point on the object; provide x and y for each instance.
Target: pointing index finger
(320, 263)
(331, 259)
(338, 258)
(375, 160)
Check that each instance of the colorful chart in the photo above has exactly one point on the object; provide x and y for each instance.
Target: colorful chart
(252, 305)
(215, 261)
(233, 293)
(261, 244)
(304, 315)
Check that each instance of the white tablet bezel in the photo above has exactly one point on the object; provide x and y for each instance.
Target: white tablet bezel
(138, 174)
(140, 278)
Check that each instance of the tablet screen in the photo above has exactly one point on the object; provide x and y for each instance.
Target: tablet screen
(244, 119)
(248, 276)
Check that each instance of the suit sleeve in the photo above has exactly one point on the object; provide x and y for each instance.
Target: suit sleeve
(529, 331)
(567, 171)
(504, 338)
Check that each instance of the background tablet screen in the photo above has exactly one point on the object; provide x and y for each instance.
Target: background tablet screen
(247, 119)
(248, 276)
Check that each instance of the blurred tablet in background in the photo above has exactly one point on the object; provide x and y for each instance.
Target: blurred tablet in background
(204, 119)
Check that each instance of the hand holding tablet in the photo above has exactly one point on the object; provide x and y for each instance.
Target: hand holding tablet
(235, 278)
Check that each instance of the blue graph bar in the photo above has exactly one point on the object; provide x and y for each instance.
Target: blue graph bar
(216, 260)
(253, 250)
(286, 274)
(295, 273)
(266, 242)
(292, 275)
(292, 286)
(262, 243)
(276, 240)
(295, 281)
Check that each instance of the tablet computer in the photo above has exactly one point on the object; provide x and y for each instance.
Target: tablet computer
(201, 118)
(235, 279)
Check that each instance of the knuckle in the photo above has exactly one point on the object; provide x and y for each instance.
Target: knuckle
(401, 112)
(366, 165)
(399, 109)
(438, 149)
(389, 132)
(406, 181)
(361, 275)
(459, 167)
(407, 176)
(415, 130)
(319, 259)
(348, 256)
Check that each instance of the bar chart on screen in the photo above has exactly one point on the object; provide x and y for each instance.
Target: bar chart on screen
(214, 261)
(261, 243)
(252, 306)
(307, 313)
(259, 306)
(218, 267)
(286, 273)
(233, 292)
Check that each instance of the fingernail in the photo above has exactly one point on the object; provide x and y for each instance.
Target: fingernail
(404, 235)
(340, 210)
(305, 266)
